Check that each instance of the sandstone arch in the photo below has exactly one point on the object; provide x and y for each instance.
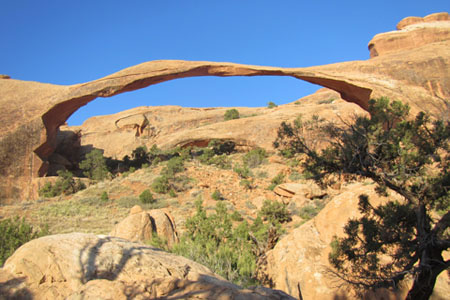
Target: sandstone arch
(32, 112)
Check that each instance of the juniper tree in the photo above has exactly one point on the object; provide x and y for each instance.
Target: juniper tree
(409, 156)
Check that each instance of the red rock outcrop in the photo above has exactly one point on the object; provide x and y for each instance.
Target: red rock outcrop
(33, 112)
(85, 266)
(412, 32)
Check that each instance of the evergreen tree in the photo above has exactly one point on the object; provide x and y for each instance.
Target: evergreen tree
(94, 165)
(400, 154)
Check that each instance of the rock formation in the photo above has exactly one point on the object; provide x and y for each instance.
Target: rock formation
(412, 32)
(33, 112)
(171, 126)
(140, 226)
(85, 266)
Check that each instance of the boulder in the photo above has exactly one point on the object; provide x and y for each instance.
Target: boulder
(140, 226)
(86, 266)
(137, 227)
(310, 190)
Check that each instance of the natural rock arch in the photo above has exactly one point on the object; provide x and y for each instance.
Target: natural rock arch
(32, 112)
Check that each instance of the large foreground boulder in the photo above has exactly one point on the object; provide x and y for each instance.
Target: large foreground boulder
(86, 266)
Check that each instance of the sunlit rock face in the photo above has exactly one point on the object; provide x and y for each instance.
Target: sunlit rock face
(32, 112)
(412, 32)
(86, 266)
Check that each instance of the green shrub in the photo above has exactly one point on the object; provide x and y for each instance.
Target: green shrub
(14, 233)
(140, 156)
(326, 101)
(262, 174)
(275, 212)
(254, 157)
(65, 184)
(174, 165)
(311, 210)
(180, 183)
(276, 181)
(159, 242)
(104, 197)
(231, 114)
(216, 195)
(146, 197)
(246, 184)
(172, 193)
(213, 241)
(243, 171)
(236, 216)
(294, 176)
(94, 165)
(271, 105)
(222, 147)
(161, 185)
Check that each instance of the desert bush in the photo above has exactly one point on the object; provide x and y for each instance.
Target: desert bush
(231, 114)
(104, 197)
(276, 181)
(14, 233)
(246, 184)
(271, 105)
(174, 165)
(309, 211)
(180, 183)
(275, 212)
(65, 184)
(161, 184)
(146, 197)
(254, 157)
(94, 165)
(212, 241)
(243, 171)
(236, 216)
(216, 195)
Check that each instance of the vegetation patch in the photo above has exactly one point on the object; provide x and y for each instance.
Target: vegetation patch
(231, 114)
(14, 233)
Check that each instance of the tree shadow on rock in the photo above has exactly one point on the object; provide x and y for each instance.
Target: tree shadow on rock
(14, 289)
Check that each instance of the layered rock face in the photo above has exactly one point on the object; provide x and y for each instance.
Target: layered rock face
(85, 266)
(33, 112)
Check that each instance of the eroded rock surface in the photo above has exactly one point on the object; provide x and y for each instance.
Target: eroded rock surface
(32, 112)
(85, 266)
(412, 32)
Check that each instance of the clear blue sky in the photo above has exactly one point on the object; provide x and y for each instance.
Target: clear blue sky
(68, 42)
